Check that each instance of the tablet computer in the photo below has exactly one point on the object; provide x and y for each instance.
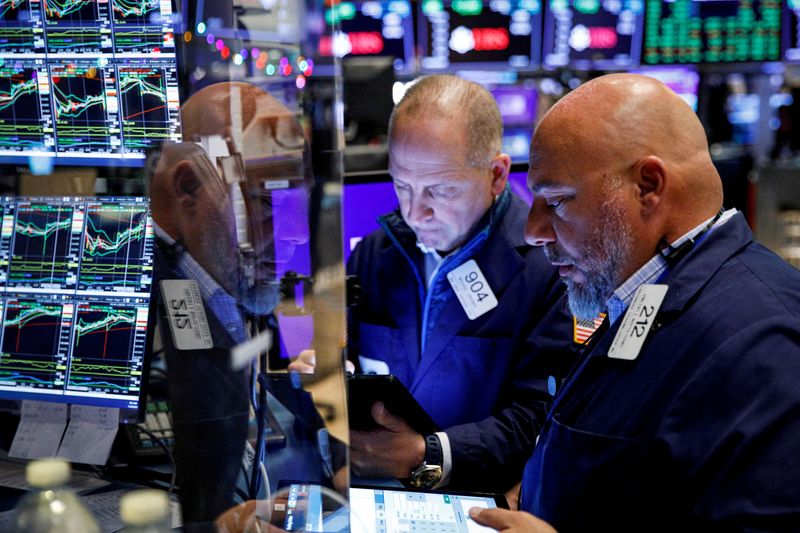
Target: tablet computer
(363, 390)
(391, 510)
(300, 506)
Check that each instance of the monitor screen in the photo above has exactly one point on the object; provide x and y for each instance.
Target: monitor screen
(791, 31)
(86, 83)
(75, 280)
(517, 142)
(517, 104)
(382, 28)
(363, 204)
(473, 33)
(593, 34)
(712, 31)
(683, 80)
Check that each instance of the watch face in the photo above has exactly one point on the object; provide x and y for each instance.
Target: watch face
(426, 476)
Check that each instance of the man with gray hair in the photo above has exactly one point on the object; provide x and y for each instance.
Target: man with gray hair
(477, 359)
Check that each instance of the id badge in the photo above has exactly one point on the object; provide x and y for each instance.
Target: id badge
(187, 317)
(637, 322)
(472, 289)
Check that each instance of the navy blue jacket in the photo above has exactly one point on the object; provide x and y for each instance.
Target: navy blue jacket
(210, 409)
(484, 380)
(702, 431)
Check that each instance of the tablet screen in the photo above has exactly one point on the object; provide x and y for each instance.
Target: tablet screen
(383, 510)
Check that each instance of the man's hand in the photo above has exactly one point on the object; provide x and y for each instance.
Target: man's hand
(392, 450)
(509, 521)
(512, 496)
(306, 362)
(245, 518)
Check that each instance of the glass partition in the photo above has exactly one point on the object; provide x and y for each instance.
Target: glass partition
(173, 169)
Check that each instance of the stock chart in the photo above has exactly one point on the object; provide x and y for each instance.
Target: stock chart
(140, 26)
(76, 303)
(108, 346)
(66, 68)
(77, 26)
(21, 124)
(147, 117)
(35, 342)
(80, 106)
(20, 28)
(117, 256)
(45, 245)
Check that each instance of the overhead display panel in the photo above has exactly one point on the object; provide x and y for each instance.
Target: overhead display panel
(593, 34)
(382, 28)
(462, 34)
(712, 31)
(791, 31)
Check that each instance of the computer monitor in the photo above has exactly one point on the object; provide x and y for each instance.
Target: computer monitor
(367, 95)
(460, 34)
(790, 36)
(712, 31)
(363, 202)
(86, 83)
(683, 80)
(75, 285)
(378, 28)
(592, 35)
(517, 104)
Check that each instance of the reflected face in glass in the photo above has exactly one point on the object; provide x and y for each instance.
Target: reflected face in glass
(440, 197)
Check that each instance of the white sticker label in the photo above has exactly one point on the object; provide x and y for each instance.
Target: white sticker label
(637, 322)
(187, 318)
(472, 290)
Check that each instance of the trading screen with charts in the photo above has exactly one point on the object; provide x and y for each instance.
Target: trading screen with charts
(75, 280)
(86, 81)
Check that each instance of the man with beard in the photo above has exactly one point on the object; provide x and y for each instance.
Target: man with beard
(238, 138)
(684, 412)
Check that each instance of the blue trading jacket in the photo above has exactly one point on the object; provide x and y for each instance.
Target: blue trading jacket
(702, 431)
(484, 380)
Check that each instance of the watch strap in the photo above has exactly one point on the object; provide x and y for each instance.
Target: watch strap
(433, 450)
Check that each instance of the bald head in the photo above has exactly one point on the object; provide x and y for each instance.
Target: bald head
(620, 170)
(465, 108)
(620, 119)
(225, 107)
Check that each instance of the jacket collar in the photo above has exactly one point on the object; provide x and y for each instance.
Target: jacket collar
(693, 272)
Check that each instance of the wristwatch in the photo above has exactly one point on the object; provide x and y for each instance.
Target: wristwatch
(429, 473)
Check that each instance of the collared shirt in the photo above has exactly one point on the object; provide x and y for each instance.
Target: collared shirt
(650, 271)
(432, 261)
(222, 304)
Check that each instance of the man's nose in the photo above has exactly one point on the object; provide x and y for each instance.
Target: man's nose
(419, 209)
(539, 229)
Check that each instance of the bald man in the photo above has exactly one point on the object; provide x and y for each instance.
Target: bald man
(238, 138)
(684, 412)
(479, 369)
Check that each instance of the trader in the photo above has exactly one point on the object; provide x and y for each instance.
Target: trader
(479, 369)
(237, 138)
(684, 414)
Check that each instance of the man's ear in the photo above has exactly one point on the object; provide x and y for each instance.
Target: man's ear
(501, 165)
(650, 174)
(186, 184)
